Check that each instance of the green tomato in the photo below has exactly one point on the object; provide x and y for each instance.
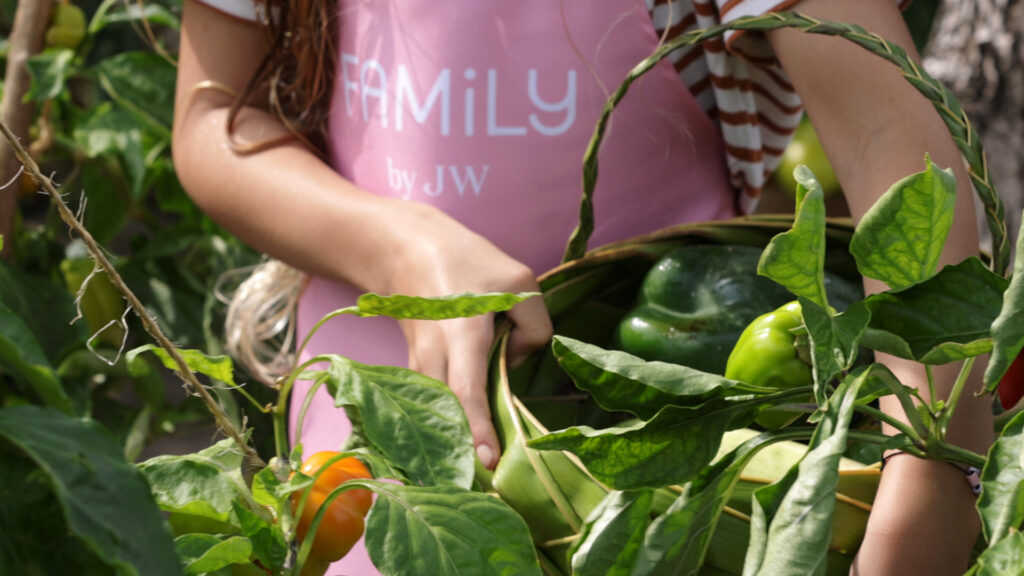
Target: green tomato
(806, 149)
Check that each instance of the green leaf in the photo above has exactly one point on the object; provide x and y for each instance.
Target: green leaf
(944, 318)
(668, 449)
(1008, 327)
(45, 306)
(100, 191)
(677, 541)
(765, 504)
(199, 489)
(887, 342)
(268, 543)
(39, 541)
(1006, 558)
(900, 238)
(110, 130)
(20, 352)
(416, 421)
(142, 82)
(947, 352)
(49, 71)
(215, 367)
(269, 491)
(444, 530)
(796, 259)
(621, 381)
(834, 341)
(440, 308)
(612, 536)
(104, 498)
(150, 12)
(804, 513)
(1001, 503)
(202, 553)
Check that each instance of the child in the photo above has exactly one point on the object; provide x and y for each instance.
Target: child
(453, 135)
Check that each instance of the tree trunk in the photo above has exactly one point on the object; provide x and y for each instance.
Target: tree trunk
(30, 20)
(977, 49)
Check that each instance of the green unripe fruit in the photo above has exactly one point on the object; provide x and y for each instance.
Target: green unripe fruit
(806, 149)
(68, 27)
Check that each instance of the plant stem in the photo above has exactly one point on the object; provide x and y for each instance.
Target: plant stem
(873, 437)
(905, 396)
(941, 451)
(317, 326)
(944, 452)
(891, 421)
(280, 414)
(953, 453)
(306, 403)
(954, 395)
(183, 371)
(255, 403)
(931, 385)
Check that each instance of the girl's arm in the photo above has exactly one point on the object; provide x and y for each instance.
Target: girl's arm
(286, 202)
(876, 128)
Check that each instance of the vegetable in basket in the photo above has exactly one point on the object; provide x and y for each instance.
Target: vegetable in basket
(768, 355)
(696, 301)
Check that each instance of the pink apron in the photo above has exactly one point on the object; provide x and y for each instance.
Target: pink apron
(485, 109)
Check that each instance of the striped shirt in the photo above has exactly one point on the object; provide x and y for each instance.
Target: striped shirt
(735, 78)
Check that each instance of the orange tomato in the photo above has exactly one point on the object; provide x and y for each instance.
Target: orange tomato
(342, 524)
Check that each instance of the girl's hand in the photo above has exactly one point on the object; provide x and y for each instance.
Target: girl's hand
(446, 259)
(288, 203)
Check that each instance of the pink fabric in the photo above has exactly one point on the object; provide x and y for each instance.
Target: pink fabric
(485, 109)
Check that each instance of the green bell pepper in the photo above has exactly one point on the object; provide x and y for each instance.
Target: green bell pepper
(694, 303)
(766, 354)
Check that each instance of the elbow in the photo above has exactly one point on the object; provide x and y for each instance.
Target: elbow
(194, 161)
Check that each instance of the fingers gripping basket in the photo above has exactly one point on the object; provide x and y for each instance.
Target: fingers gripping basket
(588, 295)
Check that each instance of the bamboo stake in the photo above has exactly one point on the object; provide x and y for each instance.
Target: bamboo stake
(30, 20)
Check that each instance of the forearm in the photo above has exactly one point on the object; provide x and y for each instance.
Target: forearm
(876, 129)
(286, 202)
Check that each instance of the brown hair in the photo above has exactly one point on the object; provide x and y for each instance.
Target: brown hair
(296, 77)
(298, 72)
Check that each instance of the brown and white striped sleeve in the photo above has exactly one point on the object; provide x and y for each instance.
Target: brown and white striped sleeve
(739, 82)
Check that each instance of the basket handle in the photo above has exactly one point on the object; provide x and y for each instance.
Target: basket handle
(940, 96)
